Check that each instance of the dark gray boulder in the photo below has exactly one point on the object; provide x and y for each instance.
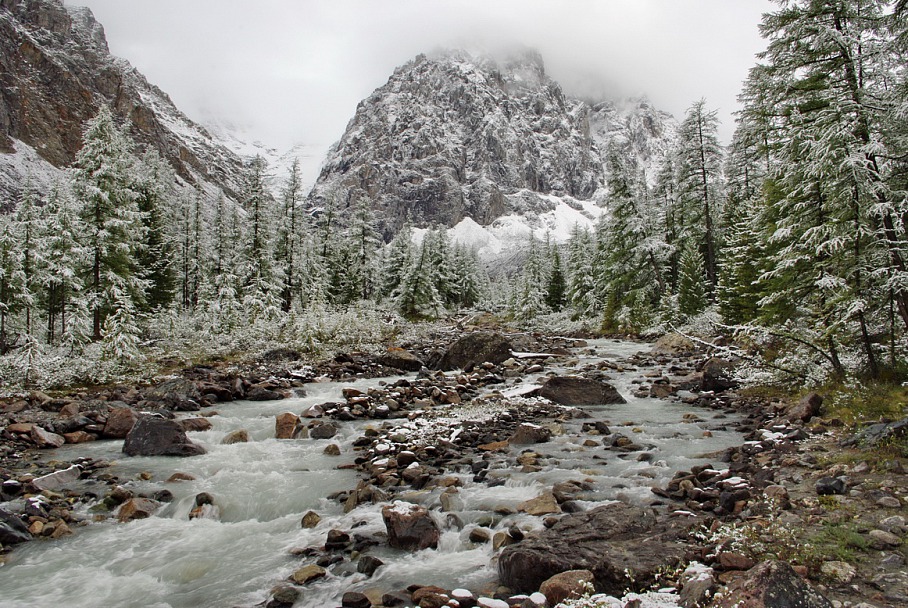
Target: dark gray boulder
(152, 436)
(12, 529)
(574, 390)
(472, 349)
(610, 541)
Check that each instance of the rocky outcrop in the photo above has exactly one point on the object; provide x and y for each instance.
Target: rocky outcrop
(770, 584)
(610, 541)
(152, 436)
(56, 71)
(574, 390)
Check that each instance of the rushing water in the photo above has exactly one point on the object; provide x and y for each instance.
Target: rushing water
(263, 488)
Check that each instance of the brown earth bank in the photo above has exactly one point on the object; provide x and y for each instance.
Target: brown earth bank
(805, 507)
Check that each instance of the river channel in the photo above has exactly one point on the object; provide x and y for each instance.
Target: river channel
(263, 488)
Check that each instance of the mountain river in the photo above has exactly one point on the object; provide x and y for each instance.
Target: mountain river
(263, 488)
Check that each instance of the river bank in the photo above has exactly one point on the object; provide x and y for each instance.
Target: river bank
(517, 487)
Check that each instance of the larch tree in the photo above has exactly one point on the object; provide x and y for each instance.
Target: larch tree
(115, 231)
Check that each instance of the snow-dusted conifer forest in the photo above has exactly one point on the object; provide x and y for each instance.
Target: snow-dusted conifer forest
(794, 237)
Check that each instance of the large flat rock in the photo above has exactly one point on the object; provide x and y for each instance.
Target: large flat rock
(623, 546)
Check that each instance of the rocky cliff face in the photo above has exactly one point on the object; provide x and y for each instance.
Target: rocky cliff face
(456, 135)
(56, 71)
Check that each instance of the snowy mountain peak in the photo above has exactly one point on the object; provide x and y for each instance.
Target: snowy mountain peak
(486, 144)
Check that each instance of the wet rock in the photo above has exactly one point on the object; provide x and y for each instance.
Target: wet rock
(529, 433)
(565, 585)
(180, 477)
(479, 535)
(137, 508)
(237, 436)
(120, 421)
(307, 574)
(368, 564)
(152, 436)
(12, 530)
(354, 599)
(176, 394)
(544, 504)
(195, 425)
(46, 439)
(770, 584)
(410, 527)
(310, 519)
(401, 359)
(472, 349)
(609, 541)
(337, 540)
(332, 449)
(261, 393)
(805, 409)
(828, 486)
(283, 596)
(58, 479)
(325, 430)
(286, 426)
(573, 390)
(204, 507)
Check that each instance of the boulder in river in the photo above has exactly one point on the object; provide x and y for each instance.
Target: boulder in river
(410, 527)
(574, 390)
(325, 430)
(137, 508)
(153, 436)
(610, 541)
(768, 585)
(472, 349)
(12, 529)
(237, 436)
(286, 425)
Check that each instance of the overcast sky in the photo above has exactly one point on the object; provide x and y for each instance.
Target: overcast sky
(293, 71)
